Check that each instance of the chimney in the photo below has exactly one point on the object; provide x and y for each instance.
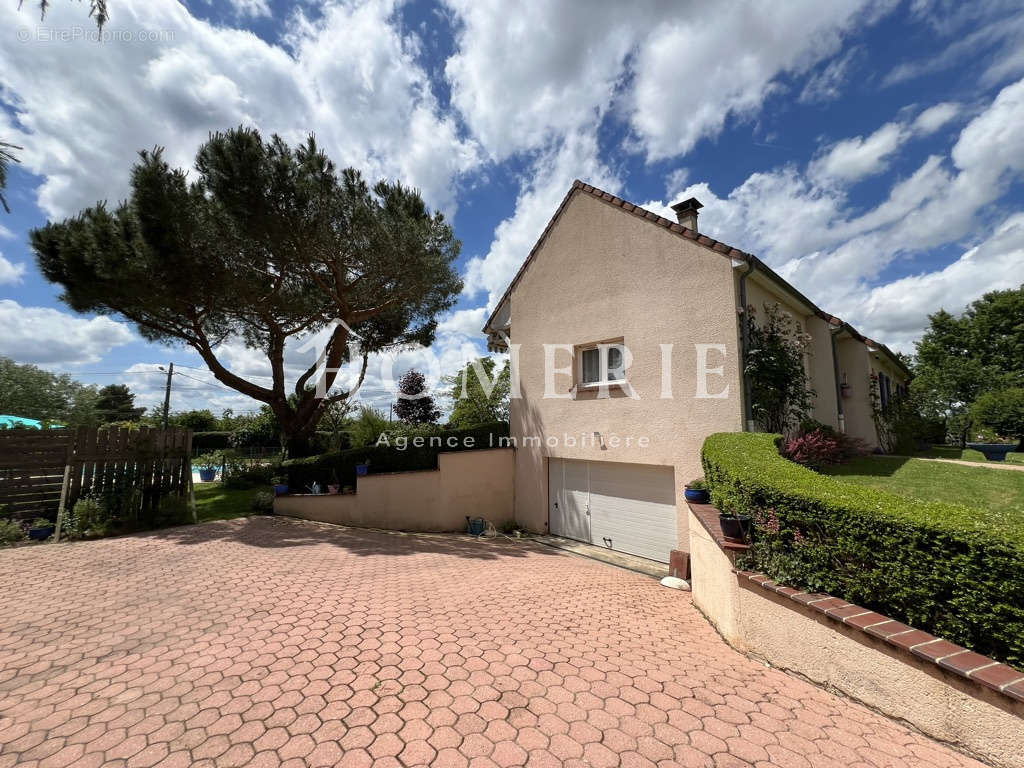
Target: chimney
(686, 212)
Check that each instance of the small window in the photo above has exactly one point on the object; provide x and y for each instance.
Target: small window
(602, 364)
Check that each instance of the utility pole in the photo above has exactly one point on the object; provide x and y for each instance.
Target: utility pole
(167, 394)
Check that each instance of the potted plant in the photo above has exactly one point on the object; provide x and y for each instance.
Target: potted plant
(362, 470)
(736, 527)
(697, 491)
(334, 486)
(280, 485)
(41, 529)
(207, 464)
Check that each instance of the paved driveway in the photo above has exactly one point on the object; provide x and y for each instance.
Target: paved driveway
(270, 641)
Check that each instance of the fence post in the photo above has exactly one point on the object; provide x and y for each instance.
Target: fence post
(63, 493)
(188, 471)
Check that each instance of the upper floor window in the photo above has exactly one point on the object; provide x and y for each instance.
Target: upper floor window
(602, 364)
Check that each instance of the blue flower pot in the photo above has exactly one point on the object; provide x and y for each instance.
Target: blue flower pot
(207, 475)
(280, 490)
(362, 470)
(41, 534)
(697, 495)
(993, 451)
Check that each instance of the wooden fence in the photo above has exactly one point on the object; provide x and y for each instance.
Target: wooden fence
(42, 472)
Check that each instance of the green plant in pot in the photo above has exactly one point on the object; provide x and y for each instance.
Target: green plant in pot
(41, 529)
(735, 526)
(208, 464)
(280, 484)
(697, 491)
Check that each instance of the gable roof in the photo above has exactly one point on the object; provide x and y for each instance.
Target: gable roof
(723, 249)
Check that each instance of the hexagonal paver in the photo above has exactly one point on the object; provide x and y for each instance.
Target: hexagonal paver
(273, 642)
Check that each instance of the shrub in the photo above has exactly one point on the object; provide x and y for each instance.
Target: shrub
(819, 444)
(339, 468)
(89, 517)
(247, 473)
(698, 484)
(263, 503)
(939, 567)
(10, 532)
(813, 449)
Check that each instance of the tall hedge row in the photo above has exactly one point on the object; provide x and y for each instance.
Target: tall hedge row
(210, 441)
(943, 568)
(339, 467)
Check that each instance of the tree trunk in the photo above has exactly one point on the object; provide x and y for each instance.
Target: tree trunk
(299, 446)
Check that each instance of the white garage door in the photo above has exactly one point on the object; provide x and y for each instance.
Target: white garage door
(625, 507)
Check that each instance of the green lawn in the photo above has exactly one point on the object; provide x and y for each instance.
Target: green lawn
(215, 502)
(996, 493)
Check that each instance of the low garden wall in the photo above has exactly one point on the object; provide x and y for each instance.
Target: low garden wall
(474, 483)
(834, 572)
(756, 619)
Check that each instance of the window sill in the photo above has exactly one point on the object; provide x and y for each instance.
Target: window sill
(600, 384)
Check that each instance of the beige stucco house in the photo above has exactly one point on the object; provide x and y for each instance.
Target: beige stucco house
(625, 329)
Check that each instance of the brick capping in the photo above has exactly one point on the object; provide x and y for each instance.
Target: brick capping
(708, 516)
(903, 638)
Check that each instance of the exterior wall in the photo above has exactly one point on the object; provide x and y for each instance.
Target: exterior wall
(823, 372)
(882, 364)
(473, 483)
(855, 369)
(604, 274)
(713, 583)
(939, 704)
(820, 367)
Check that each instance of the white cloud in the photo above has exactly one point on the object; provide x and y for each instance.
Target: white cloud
(853, 159)
(897, 311)
(252, 8)
(801, 223)
(52, 338)
(986, 34)
(527, 72)
(935, 117)
(545, 184)
(464, 322)
(719, 61)
(10, 273)
(5, 233)
(351, 76)
(826, 83)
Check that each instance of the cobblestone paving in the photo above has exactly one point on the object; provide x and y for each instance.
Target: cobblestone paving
(269, 642)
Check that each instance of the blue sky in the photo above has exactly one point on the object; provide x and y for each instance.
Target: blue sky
(871, 151)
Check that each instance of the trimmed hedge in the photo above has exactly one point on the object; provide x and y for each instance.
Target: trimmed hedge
(203, 442)
(943, 568)
(339, 467)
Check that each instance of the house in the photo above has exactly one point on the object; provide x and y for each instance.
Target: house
(626, 331)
